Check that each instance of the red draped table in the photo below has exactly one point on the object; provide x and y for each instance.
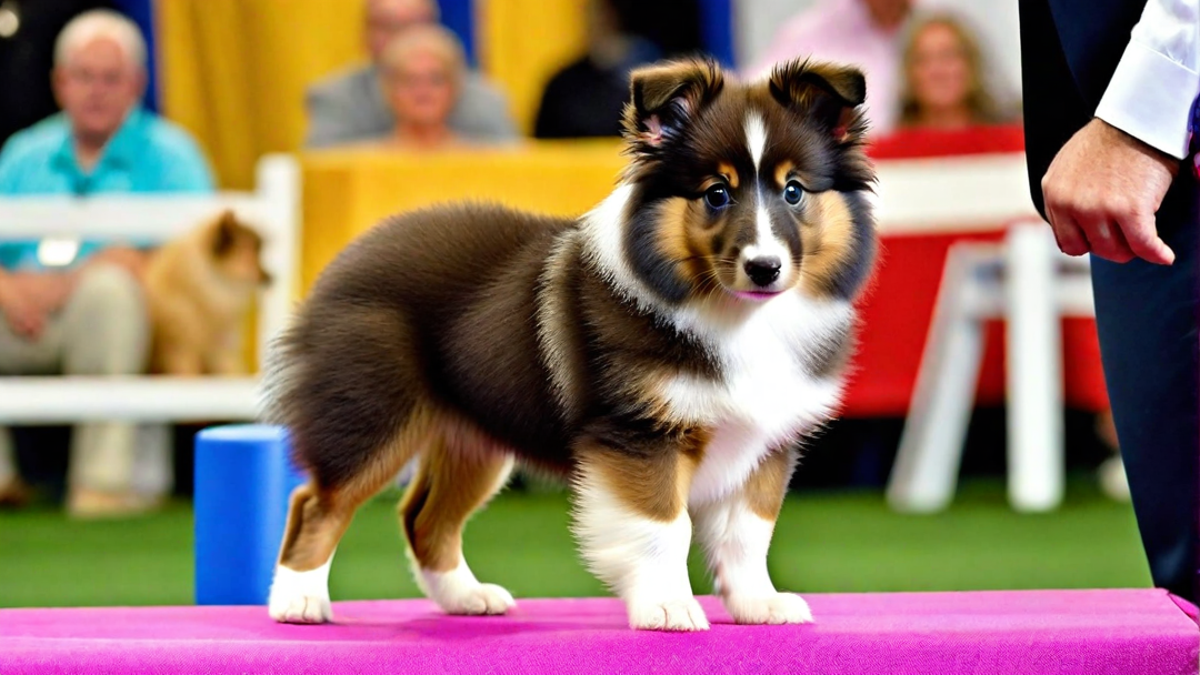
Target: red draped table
(897, 312)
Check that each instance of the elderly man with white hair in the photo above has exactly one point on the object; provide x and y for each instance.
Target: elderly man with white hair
(76, 307)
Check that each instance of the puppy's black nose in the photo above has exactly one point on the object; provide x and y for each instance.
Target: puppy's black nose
(763, 270)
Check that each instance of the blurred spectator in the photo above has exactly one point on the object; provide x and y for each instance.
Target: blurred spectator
(944, 80)
(586, 98)
(27, 32)
(351, 107)
(674, 27)
(861, 32)
(423, 72)
(76, 307)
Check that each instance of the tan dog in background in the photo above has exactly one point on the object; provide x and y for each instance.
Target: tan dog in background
(199, 288)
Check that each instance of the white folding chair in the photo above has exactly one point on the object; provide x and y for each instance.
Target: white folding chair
(1032, 286)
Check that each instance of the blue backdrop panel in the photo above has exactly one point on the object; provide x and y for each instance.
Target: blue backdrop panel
(244, 478)
(459, 16)
(716, 26)
(142, 13)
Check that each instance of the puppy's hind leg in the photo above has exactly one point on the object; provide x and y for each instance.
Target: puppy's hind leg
(318, 516)
(300, 589)
(457, 475)
(341, 380)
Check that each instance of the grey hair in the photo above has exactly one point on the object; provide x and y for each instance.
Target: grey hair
(101, 24)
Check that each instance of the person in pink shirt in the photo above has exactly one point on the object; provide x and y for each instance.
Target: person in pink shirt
(863, 32)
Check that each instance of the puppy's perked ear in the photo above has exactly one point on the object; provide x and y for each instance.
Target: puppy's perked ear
(224, 233)
(666, 97)
(828, 92)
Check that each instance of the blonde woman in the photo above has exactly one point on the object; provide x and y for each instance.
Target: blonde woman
(422, 73)
(944, 79)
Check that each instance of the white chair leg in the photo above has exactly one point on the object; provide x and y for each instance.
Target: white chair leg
(154, 462)
(925, 473)
(1035, 425)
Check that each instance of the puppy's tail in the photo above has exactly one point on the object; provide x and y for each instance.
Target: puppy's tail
(280, 377)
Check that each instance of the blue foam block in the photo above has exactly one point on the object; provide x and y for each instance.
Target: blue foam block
(244, 477)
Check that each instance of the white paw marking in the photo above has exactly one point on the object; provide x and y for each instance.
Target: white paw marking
(301, 597)
(483, 599)
(459, 592)
(771, 609)
(672, 615)
(643, 560)
(302, 609)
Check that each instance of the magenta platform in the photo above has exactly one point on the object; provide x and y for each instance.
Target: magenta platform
(1125, 632)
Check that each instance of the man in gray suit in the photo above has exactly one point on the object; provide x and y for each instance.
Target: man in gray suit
(350, 107)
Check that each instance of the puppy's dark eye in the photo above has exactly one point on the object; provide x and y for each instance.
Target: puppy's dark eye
(717, 196)
(793, 193)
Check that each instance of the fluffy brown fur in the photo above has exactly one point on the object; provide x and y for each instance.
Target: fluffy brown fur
(199, 289)
(665, 352)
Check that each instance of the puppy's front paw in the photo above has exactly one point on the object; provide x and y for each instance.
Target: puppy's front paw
(301, 609)
(459, 592)
(673, 615)
(770, 609)
(482, 599)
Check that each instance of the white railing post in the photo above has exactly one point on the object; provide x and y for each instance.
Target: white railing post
(1035, 375)
(278, 182)
(132, 398)
(927, 462)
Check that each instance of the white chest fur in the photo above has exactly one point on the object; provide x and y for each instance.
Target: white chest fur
(767, 396)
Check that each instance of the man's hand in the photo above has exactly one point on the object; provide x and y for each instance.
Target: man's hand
(27, 300)
(1102, 191)
(20, 309)
(130, 259)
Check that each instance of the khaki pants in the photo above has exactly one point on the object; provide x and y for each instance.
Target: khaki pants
(102, 330)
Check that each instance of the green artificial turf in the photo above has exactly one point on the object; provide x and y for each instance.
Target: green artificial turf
(824, 542)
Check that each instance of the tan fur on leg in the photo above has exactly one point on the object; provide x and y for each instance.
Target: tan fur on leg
(317, 519)
(226, 358)
(300, 589)
(635, 533)
(178, 360)
(455, 477)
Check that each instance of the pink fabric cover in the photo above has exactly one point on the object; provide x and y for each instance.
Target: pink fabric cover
(1124, 632)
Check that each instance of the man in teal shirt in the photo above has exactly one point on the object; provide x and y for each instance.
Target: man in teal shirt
(76, 307)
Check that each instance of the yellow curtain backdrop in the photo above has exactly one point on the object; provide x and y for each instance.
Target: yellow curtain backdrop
(348, 191)
(233, 72)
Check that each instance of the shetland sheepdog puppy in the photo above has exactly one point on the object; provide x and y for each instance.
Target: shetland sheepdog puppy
(199, 289)
(665, 352)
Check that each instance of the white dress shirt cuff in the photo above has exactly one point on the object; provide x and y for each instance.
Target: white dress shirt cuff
(1150, 98)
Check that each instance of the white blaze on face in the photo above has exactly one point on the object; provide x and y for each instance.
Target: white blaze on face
(756, 138)
(766, 244)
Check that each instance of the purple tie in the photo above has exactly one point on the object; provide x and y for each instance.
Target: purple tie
(1194, 137)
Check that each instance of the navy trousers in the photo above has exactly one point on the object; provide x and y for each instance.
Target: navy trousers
(1147, 319)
